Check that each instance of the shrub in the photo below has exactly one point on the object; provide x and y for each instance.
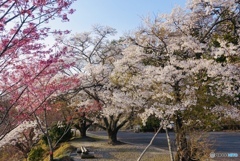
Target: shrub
(56, 133)
(199, 146)
(152, 125)
(36, 154)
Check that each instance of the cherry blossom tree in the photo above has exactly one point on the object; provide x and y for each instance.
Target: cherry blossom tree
(23, 137)
(22, 32)
(171, 60)
(85, 110)
(94, 57)
(43, 81)
(40, 93)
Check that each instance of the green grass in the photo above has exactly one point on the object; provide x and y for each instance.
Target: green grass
(62, 151)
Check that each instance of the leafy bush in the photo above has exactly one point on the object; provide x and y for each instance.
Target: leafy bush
(36, 154)
(152, 124)
(56, 133)
(201, 119)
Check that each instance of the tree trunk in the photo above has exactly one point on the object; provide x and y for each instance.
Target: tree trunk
(112, 137)
(83, 131)
(112, 127)
(181, 141)
(50, 148)
(50, 155)
(82, 125)
(49, 140)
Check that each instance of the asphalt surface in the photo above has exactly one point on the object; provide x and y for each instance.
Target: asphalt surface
(223, 142)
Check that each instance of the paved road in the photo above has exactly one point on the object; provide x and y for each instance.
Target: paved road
(223, 141)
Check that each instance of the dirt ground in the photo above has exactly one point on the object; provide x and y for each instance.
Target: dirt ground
(122, 152)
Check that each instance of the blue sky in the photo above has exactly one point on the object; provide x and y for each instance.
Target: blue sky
(123, 15)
